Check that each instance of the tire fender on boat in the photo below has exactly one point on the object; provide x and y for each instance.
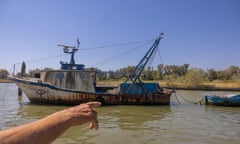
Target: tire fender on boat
(124, 99)
(100, 99)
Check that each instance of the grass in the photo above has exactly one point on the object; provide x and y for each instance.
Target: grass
(205, 85)
(5, 81)
(174, 84)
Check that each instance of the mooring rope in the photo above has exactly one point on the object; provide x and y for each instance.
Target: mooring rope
(185, 99)
(175, 94)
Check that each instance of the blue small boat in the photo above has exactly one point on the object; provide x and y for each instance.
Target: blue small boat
(225, 100)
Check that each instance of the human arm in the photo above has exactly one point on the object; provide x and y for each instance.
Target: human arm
(46, 130)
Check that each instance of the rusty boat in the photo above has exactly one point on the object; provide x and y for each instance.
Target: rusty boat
(74, 84)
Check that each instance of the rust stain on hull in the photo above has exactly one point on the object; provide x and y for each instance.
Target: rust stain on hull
(46, 95)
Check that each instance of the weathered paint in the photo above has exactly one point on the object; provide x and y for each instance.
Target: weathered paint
(46, 94)
(223, 101)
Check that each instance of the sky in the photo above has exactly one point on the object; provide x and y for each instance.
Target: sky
(202, 33)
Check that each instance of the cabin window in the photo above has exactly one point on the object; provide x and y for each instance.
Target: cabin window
(59, 75)
(37, 75)
(83, 76)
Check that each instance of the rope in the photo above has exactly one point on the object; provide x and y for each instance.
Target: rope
(120, 55)
(101, 63)
(160, 56)
(177, 98)
(41, 59)
(192, 102)
(116, 45)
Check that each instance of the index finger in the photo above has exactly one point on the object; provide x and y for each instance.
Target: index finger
(94, 104)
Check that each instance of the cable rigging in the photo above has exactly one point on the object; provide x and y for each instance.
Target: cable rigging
(116, 45)
(98, 47)
(120, 55)
(200, 101)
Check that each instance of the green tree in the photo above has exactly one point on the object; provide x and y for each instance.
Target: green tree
(123, 72)
(3, 73)
(160, 71)
(171, 70)
(212, 74)
(47, 69)
(33, 72)
(236, 77)
(221, 75)
(176, 71)
(148, 73)
(101, 75)
(194, 77)
(111, 75)
(184, 69)
(229, 72)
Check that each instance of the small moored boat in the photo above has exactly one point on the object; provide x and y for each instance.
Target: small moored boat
(225, 100)
(74, 84)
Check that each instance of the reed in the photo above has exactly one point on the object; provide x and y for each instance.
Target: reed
(5, 81)
(174, 84)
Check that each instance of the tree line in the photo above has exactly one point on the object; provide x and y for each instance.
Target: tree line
(180, 73)
(175, 72)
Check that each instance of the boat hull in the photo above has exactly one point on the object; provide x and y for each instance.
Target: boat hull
(47, 94)
(222, 101)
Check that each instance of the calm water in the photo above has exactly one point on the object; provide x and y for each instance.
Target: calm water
(183, 123)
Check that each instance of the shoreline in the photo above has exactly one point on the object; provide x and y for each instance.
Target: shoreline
(204, 89)
(210, 86)
(207, 86)
(5, 81)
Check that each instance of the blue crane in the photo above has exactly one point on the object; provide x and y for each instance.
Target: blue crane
(133, 83)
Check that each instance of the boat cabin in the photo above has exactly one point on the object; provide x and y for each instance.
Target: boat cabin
(70, 79)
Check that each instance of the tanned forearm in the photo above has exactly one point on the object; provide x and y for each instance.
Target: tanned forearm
(43, 131)
(46, 130)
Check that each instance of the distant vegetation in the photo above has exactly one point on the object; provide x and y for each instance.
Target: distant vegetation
(3, 74)
(190, 77)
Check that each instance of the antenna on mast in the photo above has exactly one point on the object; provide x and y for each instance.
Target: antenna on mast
(71, 64)
(78, 42)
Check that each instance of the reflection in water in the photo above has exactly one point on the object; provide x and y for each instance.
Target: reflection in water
(132, 117)
(178, 123)
(127, 124)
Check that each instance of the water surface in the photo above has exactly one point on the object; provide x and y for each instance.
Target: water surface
(181, 122)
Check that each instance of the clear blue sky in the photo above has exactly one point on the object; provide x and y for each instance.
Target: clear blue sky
(202, 33)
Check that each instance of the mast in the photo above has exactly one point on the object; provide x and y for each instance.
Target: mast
(66, 49)
(71, 50)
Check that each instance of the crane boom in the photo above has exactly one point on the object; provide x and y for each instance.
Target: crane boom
(134, 78)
